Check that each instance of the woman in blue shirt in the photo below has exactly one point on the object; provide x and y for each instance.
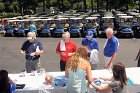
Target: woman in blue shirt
(77, 69)
(6, 85)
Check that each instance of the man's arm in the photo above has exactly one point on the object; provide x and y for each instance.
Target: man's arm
(96, 45)
(138, 55)
(22, 52)
(115, 48)
(39, 52)
(112, 59)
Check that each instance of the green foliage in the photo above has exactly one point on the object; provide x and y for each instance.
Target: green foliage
(2, 7)
(15, 5)
(9, 15)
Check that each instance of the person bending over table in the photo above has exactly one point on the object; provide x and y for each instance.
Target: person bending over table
(6, 84)
(118, 82)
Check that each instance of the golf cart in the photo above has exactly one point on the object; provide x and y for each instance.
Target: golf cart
(125, 26)
(75, 26)
(105, 22)
(18, 26)
(45, 29)
(59, 28)
(9, 29)
(92, 25)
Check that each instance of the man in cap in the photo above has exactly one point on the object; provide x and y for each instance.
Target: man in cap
(92, 44)
(32, 49)
(32, 27)
(110, 48)
(66, 48)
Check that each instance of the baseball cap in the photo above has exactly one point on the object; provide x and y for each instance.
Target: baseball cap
(89, 34)
(31, 35)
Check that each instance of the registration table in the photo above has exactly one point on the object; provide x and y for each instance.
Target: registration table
(36, 84)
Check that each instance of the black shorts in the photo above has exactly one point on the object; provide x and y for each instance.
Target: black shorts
(62, 65)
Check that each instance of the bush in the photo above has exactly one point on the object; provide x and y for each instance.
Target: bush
(2, 7)
(9, 15)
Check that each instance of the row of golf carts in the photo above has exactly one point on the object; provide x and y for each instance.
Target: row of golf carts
(124, 24)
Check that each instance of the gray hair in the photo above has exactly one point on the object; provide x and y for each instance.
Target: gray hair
(66, 35)
(109, 30)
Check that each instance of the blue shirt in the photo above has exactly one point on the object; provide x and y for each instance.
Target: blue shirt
(90, 44)
(111, 46)
(29, 48)
(12, 87)
(32, 28)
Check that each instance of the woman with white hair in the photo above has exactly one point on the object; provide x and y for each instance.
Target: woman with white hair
(110, 48)
(66, 48)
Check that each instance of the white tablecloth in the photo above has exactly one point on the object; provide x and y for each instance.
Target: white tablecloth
(35, 84)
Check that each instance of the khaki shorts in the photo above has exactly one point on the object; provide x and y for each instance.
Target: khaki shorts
(107, 60)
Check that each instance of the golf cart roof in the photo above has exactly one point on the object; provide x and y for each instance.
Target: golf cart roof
(33, 17)
(26, 20)
(108, 17)
(138, 16)
(125, 16)
(134, 14)
(91, 18)
(121, 14)
(62, 18)
(15, 20)
(76, 18)
(95, 15)
(77, 14)
(12, 18)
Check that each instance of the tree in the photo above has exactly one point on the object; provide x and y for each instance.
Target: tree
(14, 6)
(85, 5)
(2, 7)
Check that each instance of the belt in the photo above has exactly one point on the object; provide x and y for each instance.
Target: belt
(107, 56)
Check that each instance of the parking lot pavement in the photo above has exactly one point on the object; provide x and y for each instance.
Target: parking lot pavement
(13, 61)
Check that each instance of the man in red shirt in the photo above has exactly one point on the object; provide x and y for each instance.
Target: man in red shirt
(66, 48)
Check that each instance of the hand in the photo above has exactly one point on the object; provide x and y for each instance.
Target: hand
(37, 53)
(33, 54)
(108, 66)
(70, 54)
(63, 53)
(22, 52)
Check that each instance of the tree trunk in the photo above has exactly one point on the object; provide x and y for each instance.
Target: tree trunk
(62, 1)
(43, 6)
(139, 6)
(107, 4)
(92, 5)
(85, 5)
(98, 6)
(110, 5)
